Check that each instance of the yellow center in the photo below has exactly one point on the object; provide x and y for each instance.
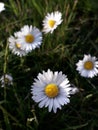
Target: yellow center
(51, 23)
(51, 90)
(88, 65)
(6, 80)
(18, 45)
(29, 38)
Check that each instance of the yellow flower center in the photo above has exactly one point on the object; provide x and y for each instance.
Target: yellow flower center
(29, 38)
(88, 65)
(6, 80)
(51, 23)
(18, 45)
(51, 90)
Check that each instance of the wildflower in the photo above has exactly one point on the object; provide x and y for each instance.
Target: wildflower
(30, 37)
(16, 47)
(74, 89)
(6, 80)
(1, 6)
(51, 90)
(88, 67)
(51, 21)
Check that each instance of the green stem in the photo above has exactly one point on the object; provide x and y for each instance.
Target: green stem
(5, 68)
(36, 120)
(6, 119)
(21, 61)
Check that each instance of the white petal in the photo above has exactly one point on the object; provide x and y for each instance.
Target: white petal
(50, 105)
(42, 103)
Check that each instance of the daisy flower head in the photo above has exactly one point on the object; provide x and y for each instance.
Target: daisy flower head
(51, 90)
(1, 6)
(74, 89)
(51, 21)
(30, 37)
(88, 67)
(6, 79)
(16, 47)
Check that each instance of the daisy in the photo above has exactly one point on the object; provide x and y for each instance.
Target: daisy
(74, 89)
(16, 47)
(51, 21)
(6, 80)
(88, 67)
(30, 37)
(1, 6)
(51, 90)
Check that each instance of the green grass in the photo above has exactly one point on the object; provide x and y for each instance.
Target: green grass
(76, 36)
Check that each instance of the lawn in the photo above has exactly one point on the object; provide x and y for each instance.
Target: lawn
(49, 57)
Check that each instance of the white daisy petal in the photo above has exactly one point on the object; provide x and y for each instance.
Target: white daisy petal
(42, 103)
(51, 90)
(15, 46)
(56, 103)
(74, 90)
(1, 6)
(54, 107)
(50, 105)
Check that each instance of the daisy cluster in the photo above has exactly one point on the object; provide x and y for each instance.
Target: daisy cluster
(28, 37)
(50, 89)
(25, 40)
